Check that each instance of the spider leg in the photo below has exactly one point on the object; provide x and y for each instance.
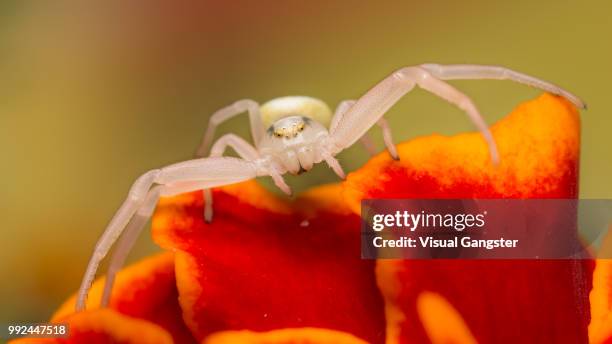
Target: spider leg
(127, 241)
(366, 139)
(135, 226)
(244, 150)
(224, 114)
(368, 144)
(341, 109)
(454, 72)
(190, 175)
(372, 106)
(335, 165)
(387, 138)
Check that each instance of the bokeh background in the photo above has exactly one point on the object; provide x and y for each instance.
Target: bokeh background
(94, 93)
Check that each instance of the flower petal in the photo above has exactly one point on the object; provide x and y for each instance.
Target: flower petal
(432, 307)
(600, 328)
(500, 301)
(307, 335)
(145, 290)
(263, 264)
(106, 326)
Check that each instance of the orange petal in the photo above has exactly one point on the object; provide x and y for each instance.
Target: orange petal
(306, 335)
(106, 326)
(263, 264)
(600, 328)
(432, 307)
(502, 301)
(146, 290)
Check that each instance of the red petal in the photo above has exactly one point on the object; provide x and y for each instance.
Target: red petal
(259, 266)
(145, 290)
(106, 326)
(500, 301)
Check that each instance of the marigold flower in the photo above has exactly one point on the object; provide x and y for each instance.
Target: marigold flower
(272, 271)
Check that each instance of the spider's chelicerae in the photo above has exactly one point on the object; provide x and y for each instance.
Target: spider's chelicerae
(290, 134)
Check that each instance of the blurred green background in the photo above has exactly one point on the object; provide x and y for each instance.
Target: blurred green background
(92, 94)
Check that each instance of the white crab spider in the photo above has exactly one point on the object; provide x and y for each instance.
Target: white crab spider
(290, 134)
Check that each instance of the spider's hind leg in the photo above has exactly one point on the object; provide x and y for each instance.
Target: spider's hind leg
(242, 148)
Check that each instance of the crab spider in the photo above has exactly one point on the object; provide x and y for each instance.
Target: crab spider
(290, 134)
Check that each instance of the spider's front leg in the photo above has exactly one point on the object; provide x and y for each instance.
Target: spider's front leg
(370, 108)
(366, 140)
(478, 72)
(134, 212)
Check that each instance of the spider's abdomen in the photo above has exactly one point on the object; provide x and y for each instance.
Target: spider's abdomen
(282, 107)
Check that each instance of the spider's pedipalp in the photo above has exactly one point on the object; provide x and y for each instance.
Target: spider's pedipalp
(335, 165)
(279, 181)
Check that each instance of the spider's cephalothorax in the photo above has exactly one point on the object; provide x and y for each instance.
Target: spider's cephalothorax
(294, 138)
(290, 134)
(289, 127)
(293, 142)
